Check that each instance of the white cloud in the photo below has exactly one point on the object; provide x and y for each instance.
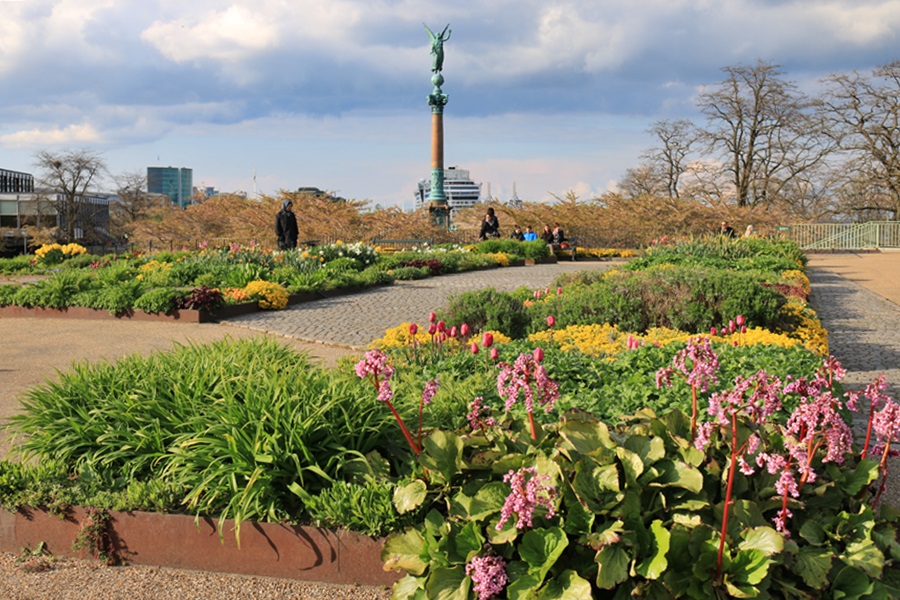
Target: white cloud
(35, 138)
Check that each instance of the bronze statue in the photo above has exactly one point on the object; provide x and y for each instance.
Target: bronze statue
(437, 47)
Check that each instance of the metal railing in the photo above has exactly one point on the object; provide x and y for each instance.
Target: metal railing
(845, 236)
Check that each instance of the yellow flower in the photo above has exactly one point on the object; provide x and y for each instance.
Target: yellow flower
(269, 294)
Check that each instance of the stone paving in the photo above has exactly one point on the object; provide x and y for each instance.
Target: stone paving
(354, 321)
(863, 329)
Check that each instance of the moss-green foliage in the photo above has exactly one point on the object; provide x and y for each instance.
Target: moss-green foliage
(689, 299)
(726, 253)
(158, 300)
(488, 310)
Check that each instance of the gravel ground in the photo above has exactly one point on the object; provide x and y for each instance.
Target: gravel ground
(50, 578)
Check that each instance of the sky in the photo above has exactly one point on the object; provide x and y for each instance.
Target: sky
(262, 95)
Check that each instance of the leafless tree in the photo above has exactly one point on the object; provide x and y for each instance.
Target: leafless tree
(646, 179)
(134, 203)
(70, 177)
(764, 130)
(863, 115)
(671, 157)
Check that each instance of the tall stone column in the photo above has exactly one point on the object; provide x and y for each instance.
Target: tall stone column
(437, 199)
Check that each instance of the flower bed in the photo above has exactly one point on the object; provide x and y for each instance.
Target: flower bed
(622, 456)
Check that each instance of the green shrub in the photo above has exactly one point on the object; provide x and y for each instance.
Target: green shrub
(8, 293)
(409, 273)
(488, 309)
(158, 300)
(16, 265)
(366, 508)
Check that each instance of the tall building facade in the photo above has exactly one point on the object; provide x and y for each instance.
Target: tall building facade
(459, 189)
(175, 182)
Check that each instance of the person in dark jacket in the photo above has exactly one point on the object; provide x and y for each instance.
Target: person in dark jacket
(286, 226)
(490, 226)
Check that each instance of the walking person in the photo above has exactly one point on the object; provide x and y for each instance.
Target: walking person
(286, 226)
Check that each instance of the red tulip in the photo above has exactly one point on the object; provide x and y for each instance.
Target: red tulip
(453, 331)
(488, 340)
(432, 317)
(473, 348)
(739, 320)
(432, 329)
(538, 354)
(551, 321)
(495, 354)
(712, 331)
(464, 330)
(559, 291)
(441, 326)
(413, 329)
(743, 329)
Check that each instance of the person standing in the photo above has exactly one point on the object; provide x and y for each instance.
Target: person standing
(286, 226)
(490, 226)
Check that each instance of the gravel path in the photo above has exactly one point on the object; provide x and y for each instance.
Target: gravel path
(71, 579)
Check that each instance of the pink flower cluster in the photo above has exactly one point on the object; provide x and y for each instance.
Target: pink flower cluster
(375, 368)
(431, 388)
(479, 415)
(488, 573)
(530, 378)
(529, 490)
(701, 373)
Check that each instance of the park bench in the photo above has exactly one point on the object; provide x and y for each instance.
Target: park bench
(570, 245)
(389, 246)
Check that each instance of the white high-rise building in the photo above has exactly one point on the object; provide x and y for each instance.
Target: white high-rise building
(460, 190)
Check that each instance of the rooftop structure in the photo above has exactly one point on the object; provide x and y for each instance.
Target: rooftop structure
(459, 188)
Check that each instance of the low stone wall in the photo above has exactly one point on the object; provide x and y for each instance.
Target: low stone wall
(180, 542)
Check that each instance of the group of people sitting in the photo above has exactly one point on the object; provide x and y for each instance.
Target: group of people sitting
(490, 228)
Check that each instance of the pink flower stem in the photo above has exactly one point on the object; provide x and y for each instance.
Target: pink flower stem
(865, 449)
(882, 468)
(693, 412)
(531, 423)
(728, 487)
(406, 434)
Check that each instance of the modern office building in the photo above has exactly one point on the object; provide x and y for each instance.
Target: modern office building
(22, 206)
(459, 188)
(175, 182)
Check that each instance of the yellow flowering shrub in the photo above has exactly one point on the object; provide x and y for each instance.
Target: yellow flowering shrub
(797, 278)
(54, 253)
(269, 294)
(810, 332)
(595, 339)
(155, 265)
(501, 257)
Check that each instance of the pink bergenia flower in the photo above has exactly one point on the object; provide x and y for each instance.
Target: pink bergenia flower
(488, 573)
(431, 388)
(528, 491)
(528, 377)
(479, 416)
(375, 368)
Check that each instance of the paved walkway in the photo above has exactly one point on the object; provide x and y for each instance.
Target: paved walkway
(354, 321)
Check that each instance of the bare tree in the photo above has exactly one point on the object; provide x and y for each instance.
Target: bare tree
(671, 158)
(764, 130)
(70, 176)
(135, 202)
(863, 115)
(646, 179)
